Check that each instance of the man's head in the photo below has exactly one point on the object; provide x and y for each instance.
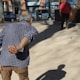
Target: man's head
(26, 17)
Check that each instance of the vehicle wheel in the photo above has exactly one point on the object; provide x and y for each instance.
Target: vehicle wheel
(12, 20)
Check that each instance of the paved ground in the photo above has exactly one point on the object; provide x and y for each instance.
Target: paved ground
(55, 54)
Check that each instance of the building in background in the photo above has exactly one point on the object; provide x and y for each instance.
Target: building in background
(1, 11)
(7, 5)
(16, 6)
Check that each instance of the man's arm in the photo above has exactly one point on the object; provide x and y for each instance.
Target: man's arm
(23, 43)
(28, 37)
(14, 49)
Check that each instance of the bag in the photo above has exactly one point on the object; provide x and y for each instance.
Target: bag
(23, 55)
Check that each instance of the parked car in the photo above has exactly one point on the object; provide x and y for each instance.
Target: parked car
(9, 16)
(45, 14)
(40, 15)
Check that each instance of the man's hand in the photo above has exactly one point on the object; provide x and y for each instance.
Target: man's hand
(0, 67)
(12, 49)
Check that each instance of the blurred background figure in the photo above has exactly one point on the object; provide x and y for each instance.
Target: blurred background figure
(65, 9)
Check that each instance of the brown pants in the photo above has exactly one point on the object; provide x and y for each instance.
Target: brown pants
(6, 73)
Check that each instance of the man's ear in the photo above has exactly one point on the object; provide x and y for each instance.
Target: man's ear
(30, 21)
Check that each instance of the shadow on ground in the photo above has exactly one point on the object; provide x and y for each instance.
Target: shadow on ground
(50, 31)
(46, 33)
(56, 74)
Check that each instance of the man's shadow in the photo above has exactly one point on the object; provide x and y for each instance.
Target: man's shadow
(56, 74)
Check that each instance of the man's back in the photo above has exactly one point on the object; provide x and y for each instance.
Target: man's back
(12, 35)
(65, 7)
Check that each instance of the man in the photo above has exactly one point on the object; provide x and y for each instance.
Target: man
(15, 38)
(65, 10)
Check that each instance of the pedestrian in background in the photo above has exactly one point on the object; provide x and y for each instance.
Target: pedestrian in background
(65, 9)
(15, 38)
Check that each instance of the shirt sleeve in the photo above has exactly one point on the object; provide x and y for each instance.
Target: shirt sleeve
(2, 35)
(31, 33)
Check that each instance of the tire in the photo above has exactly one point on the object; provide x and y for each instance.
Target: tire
(12, 20)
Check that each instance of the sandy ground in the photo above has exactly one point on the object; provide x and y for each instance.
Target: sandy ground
(55, 53)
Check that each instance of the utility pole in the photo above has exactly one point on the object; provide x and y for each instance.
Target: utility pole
(79, 3)
(1, 11)
(49, 8)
